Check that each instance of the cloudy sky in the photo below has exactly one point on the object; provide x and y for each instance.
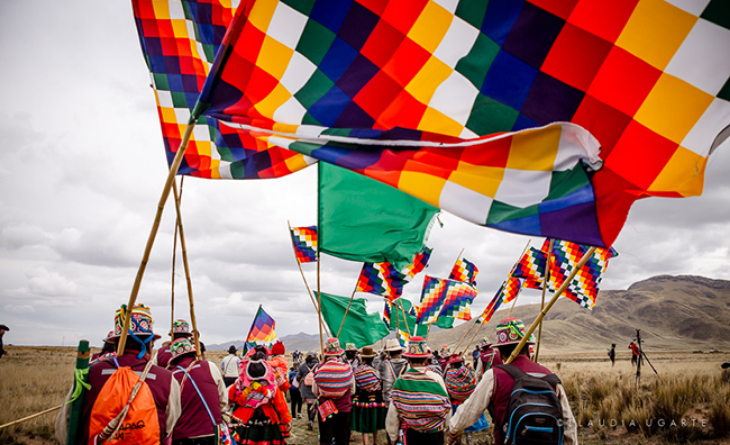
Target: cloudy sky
(82, 168)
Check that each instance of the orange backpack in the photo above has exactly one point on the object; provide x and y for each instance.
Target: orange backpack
(139, 425)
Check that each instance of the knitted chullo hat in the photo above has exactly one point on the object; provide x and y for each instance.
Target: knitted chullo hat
(181, 326)
(510, 331)
(182, 346)
(445, 351)
(332, 347)
(417, 348)
(460, 383)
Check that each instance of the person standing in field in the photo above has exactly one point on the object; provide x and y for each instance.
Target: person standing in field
(180, 329)
(3, 330)
(475, 356)
(203, 396)
(334, 385)
(229, 366)
(488, 358)
(612, 354)
(351, 355)
(635, 351)
(368, 411)
(305, 375)
(294, 395)
(391, 367)
(420, 408)
(156, 407)
(496, 392)
(460, 384)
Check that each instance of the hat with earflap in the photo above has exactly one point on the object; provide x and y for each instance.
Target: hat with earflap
(180, 347)
(511, 331)
(140, 325)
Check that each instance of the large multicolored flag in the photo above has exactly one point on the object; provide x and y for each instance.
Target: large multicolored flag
(179, 41)
(262, 330)
(383, 278)
(464, 270)
(433, 296)
(386, 313)
(540, 117)
(458, 297)
(305, 243)
(511, 289)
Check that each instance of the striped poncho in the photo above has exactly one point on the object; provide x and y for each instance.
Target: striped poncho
(422, 402)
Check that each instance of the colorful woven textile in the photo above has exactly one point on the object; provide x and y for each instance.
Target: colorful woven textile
(333, 378)
(179, 40)
(458, 297)
(367, 378)
(433, 296)
(464, 270)
(262, 330)
(404, 92)
(511, 289)
(305, 243)
(460, 383)
(421, 402)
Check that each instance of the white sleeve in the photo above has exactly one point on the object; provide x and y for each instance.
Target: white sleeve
(392, 423)
(173, 408)
(218, 379)
(571, 428)
(469, 412)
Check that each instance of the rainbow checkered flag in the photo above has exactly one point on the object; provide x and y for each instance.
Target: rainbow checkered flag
(511, 289)
(262, 330)
(459, 296)
(464, 270)
(305, 243)
(383, 278)
(433, 296)
(531, 267)
(386, 312)
(583, 289)
(493, 305)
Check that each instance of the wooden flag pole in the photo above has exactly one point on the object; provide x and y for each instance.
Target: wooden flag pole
(32, 416)
(429, 331)
(253, 323)
(174, 260)
(546, 280)
(550, 304)
(319, 302)
(306, 284)
(186, 264)
(464, 336)
(153, 232)
(342, 324)
(405, 320)
(484, 318)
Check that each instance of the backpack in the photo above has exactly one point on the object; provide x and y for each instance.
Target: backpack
(333, 379)
(534, 414)
(140, 425)
(366, 378)
(421, 402)
(309, 378)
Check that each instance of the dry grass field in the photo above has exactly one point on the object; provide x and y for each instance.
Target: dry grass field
(686, 403)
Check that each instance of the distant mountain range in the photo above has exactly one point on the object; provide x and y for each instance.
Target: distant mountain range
(682, 312)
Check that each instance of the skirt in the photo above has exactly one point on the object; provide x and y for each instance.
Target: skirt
(368, 412)
(259, 430)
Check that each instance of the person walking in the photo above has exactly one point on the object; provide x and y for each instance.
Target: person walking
(334, 385)
(351, 356)
(420, 407)
(203, 396)
(635, 351)
(294, 394)
(612, 354)
(368, 408)
(3, 330)
(305, 376)
(180, 329)
(281, 367)
(460, 384)
(495, 393)
(260, 404)
(488, 358)
(229, 366)
(475, 356)
(391, 367)
(156, 407)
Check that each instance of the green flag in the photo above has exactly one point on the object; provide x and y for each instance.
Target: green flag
(445, 322)
(410, 320)
(360, 328)
(361, 219)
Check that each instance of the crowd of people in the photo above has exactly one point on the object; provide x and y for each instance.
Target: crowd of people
(412, 395)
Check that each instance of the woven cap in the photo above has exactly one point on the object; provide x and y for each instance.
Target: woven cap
(510, 331)
(182, 346)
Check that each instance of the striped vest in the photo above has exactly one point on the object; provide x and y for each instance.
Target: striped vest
(421, 402)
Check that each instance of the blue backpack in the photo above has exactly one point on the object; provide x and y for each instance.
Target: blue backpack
(534, 414)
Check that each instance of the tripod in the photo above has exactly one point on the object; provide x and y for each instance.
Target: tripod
(642, 356)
